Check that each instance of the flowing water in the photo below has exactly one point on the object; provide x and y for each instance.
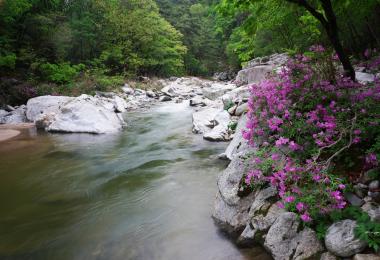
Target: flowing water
(144, 193)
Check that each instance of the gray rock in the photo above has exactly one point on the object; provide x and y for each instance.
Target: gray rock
(374, 195)
(373, 210)
(243, 108)
(364, 77)
(370, 175)
(262, 200)
(360, 190)
(9, 108)
(328, 256)
(164, 98)
(255, 74)
(247, 237)
(263, 222)
(16, 116)
(353, 199)
(230, 210)
(284, 242)
(341, 241)
(366, 257)
(374, 185)
(44, 105)
(85, 114)
(238, 143)
(217, 90)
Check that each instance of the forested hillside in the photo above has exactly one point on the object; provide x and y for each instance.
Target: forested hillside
(58, 46)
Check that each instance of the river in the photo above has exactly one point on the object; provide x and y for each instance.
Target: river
(144, 193)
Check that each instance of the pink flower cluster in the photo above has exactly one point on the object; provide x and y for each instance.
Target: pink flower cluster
(298, 112)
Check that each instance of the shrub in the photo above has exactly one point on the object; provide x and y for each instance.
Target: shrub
(313, 118)
(8, 61)
(60, 73)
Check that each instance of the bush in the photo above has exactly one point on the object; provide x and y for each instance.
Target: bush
(8, 61)
(60, 73)
(315, 120)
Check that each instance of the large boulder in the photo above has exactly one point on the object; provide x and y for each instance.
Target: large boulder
(284, 241)
(254, 75)
(44, 105)
(85, 114)
(238, 143)
(230, 210)
(217, 90)
(220, 130)
(202, 119)
(341, 241)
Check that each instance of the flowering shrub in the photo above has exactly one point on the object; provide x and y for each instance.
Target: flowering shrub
(313, 118)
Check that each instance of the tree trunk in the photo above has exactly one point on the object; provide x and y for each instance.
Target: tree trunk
(331, 27)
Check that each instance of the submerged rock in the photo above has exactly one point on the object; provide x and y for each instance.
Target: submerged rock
(341, 241)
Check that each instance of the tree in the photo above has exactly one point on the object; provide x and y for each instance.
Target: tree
(329, 23)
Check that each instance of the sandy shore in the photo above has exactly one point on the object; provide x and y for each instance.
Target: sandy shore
(10, 131)
(6, 134)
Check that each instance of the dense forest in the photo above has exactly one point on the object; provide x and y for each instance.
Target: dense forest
(86, 45)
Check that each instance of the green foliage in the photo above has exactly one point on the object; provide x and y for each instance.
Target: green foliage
(8, 61)
(60, 73)
(232, 126)
(366, 230)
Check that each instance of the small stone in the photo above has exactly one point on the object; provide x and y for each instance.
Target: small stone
(370, 175)
(366, 257)
(374, 195)
(232, 110)
(223, 157)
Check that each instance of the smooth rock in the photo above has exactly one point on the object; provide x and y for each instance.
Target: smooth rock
(16, 116)
(217, 90)
(198, 102)
(120, 104)
(341, 241)
(85, 114)
(263, 222)
(44, 105)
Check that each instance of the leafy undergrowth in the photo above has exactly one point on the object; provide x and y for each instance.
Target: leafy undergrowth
(315, 131)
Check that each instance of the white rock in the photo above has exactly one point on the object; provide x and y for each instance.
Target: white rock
(363, 77)
(85, 114)
(202, 120)
(120, 104)
(220, 130)
(341, 241)
(44, 105)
